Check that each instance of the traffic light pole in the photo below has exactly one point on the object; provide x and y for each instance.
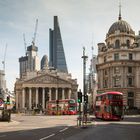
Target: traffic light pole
(80, 117)
(79, 109)
(84, 120)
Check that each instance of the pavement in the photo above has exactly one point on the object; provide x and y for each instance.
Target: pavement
(23, 122)
(72, 120)
(12, 122)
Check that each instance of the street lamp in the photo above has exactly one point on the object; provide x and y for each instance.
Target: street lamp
(57, 100)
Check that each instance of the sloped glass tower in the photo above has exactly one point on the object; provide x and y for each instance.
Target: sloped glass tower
(56, 51)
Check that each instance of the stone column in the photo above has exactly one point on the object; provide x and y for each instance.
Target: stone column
(69, 94)
(43, 98)
(50, 93)
(30, 98)
(63, 95)
(23, 98)
(36, 97)
(17, 100)
(56, 94)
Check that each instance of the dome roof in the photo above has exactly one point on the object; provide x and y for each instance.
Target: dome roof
(122, 26)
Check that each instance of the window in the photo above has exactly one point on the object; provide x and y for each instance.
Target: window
(105, 83)
(130, 100)
(130, 103)
(129, 69)
(128, 43)
(117, 44)
(116, 56)
(108, 44)
(130, 81)
(116, 82)
(130, 56)
(130, 94)
(116, 70)
(104, 58)
(105, 72)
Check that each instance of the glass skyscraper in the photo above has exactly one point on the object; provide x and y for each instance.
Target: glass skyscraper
(56, 51)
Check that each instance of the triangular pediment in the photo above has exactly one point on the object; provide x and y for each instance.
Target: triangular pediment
(47, 79)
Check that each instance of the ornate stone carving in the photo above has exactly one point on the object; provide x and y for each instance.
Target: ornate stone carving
(46, 79)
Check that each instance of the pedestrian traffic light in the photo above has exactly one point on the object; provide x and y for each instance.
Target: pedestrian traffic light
(79, 97)
(86, 98)
(8, 100)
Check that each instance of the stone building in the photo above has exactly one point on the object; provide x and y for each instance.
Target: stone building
(118, 65)
(46, 85)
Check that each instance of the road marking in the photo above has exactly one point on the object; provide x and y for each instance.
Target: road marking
(2, 136)
(47, 137)
(63, 129)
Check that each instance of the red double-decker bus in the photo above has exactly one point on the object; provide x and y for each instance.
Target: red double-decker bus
(62, 107)
(109, 106)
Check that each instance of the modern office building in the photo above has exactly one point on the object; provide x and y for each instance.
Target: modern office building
(56, 51)
(118, 65)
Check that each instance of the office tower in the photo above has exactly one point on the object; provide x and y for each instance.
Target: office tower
(56, 51)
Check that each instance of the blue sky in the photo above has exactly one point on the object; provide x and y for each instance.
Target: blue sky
(81, 22)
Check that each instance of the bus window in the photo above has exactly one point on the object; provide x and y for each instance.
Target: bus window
(117, 97)
(99, 98)
(71, 101)
(72, 108)
(110, 96)
(116, 110)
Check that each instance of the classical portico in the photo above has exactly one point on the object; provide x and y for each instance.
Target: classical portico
(35, 93)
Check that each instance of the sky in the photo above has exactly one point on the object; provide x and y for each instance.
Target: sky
(83, 23)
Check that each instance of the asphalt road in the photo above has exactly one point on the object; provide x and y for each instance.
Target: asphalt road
(64, 128)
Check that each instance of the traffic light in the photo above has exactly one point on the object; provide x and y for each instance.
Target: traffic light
(8, 100)
(86, 98)
(79, 97)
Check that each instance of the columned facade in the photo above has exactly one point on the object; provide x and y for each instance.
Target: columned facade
(35, 93)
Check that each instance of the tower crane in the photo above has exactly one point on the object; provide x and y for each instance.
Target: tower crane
(36, 25)
(25, 45)
(3, 62)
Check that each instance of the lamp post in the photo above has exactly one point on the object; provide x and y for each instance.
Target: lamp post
(84, 87)
(57, 100)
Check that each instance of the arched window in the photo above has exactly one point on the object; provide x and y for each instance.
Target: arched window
(128, 43)
(117, 44)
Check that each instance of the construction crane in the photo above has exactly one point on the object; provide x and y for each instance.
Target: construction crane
(25, 45)
(3, 62)
(36, 25)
